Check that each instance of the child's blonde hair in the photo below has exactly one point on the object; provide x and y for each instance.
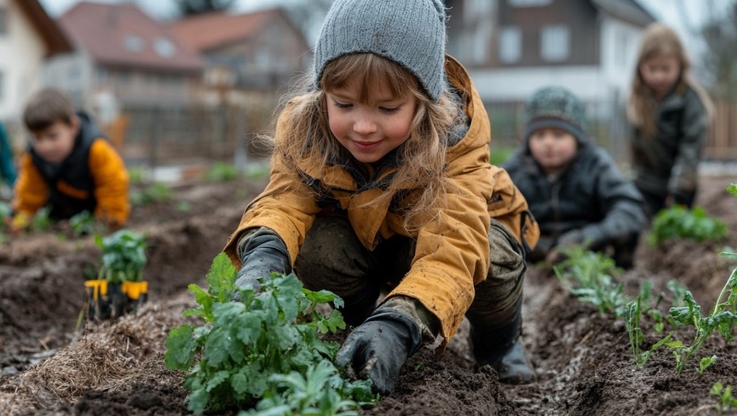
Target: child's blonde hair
(659, 40)
(420, 160)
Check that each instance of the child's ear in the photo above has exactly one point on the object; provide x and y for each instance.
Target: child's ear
(75, 123)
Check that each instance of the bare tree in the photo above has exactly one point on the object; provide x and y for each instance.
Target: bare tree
(720, 59)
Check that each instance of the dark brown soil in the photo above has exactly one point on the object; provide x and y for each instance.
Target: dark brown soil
(583, 359)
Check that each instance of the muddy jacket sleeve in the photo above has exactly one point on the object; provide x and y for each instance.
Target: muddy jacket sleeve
(31, 191)
(620, 200)
(7, 169)
(287, 207)
(683, 178)
(111, 183)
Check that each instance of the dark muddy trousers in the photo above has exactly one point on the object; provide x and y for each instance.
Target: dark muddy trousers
(333, 258)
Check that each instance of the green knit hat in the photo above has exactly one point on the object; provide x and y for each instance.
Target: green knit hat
(555, 107)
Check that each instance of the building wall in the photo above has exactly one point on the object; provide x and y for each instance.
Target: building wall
(619, 48)
(71, 72)
(517, 84)
(21, 52)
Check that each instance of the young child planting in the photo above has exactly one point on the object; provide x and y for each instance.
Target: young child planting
(669, 113)
(574, 189)
(380, 182)
(69, 165)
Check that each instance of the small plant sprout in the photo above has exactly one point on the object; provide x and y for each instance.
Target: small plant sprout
(632, 322)
(41, 220)
(705, 363)
(588, 276)
(84, 223)
(154, 193)
(719, 319)
(222, 172)
(726, 401)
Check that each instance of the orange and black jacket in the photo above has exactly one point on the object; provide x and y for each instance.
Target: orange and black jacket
(92, 178)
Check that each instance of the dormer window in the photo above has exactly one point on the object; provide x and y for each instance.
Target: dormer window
(164, 47)
(133, 43)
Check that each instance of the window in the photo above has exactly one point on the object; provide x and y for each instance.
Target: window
(555, 43)
(529, 3)
(481, 42)
(3, 21)
(510, 45)
(164, 47)
(133, 43)
(475, 9)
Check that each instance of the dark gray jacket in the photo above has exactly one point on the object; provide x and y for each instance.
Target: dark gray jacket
(591, 196)
(668, 163)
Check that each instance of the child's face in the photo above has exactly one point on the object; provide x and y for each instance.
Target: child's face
(371, 130)
(54, 143)
(553, 148)
(661, 73)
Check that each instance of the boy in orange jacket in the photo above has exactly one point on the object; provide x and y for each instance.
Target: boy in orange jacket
(69, 166)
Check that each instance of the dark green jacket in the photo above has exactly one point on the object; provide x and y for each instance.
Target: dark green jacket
(668, 164)
(590, 196)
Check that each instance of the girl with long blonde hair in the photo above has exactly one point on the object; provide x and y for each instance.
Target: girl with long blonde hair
(380, 183)
(670, 113)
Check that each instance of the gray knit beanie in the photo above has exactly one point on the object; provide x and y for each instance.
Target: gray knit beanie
(408, 32)
(555, 107)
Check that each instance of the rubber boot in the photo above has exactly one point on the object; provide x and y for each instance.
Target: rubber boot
(502, 349)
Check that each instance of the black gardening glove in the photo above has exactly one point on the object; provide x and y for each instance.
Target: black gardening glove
(379, 347)
(263, 252)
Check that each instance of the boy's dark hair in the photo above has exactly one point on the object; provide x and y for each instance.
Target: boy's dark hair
(46, 107)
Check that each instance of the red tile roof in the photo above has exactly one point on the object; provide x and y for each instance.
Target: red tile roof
(123, 35)
(215, 29)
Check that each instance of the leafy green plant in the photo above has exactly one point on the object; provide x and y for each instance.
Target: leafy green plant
(726, 401)
(264, 351)
(123, 256)
(85, 223)
(719, 319)
(154, 193)
(678, 222)
(589, 276)
(222, 172)
(632, 322)
(137, 175)
(41, 220)
(183, 206)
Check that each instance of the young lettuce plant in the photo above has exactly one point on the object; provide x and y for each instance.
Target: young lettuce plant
(678, 222)
(588, 276)
(123, 256)
(263, 352)
(719, 319)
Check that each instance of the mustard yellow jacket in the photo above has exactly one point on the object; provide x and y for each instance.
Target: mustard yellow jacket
(452, 252)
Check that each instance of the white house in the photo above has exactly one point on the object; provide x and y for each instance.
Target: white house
(27, 36)
(514, 47)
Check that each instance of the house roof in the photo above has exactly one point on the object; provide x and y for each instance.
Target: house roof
(123, 35)
(54, 38)
(628, 10)
(215, 29)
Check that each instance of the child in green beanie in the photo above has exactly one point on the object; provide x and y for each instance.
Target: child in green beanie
(573, 187)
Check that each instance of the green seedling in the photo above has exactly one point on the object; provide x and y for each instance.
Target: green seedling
(726, 401)
(588, 276)
(262, 352)
(678, 222)
(705, 363)
(221, 172)
(155, 193)
(85, 223)
(136, 175)
(123, 256)
(183, 206)
(719, 319)
(41, 220)
(632, 323)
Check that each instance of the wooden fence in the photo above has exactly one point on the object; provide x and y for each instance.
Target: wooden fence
(722, 142)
